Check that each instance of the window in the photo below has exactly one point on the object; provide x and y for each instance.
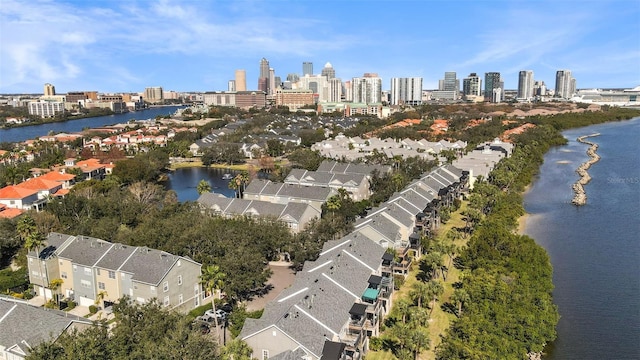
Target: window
(196, 289)
(153, 289)
(265, 354)
(97, 271)
(196, 302)
(85, 284)
(35, 273)
(63, 275)
(101, 286)
(166, 301)
(87, 271)
(75, 267)
(180, 299)
(179, 279)
(165, 286)
(112, 274)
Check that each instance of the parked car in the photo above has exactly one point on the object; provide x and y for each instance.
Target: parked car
(206, 318)
(219, 314)
(227, 308)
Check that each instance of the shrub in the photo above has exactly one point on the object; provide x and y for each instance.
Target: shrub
(70, 304)
(93, 309)
(398, 281)
(375, 343)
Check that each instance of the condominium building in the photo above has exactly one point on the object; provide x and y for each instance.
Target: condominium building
(49, 90)
(153, 94)
(525, 85)
(46, 109)
(97, 271)
(367, 89)
(472, 85)
(565, 84)
(406, 91)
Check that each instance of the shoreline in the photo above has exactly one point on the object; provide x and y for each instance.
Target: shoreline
(522, 220)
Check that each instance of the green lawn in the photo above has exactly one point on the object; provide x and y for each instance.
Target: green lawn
(440, 320)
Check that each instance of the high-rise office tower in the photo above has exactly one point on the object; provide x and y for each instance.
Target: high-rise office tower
(49, 90)
(450, 82)
(241, 80)
(328, 71)
(292, 77)
(472, 85)
(263, 79)
(307, 68)
(231, 85)
(367, 89)
(406, 91)
(525, 85)
(492, 81)
(565, 84)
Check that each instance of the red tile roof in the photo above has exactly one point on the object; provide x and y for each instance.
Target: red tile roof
(9, 213)
(57, 176)
(39, 184)
(15, 192)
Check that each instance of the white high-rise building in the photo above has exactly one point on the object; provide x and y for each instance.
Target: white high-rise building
(525, 85)
(367, 89)
(472, 85)
(565, 84)
(406, 91)
(335, 90)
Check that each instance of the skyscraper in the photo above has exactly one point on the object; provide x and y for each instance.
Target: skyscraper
(263, 79)
(406, 91)
(231, 85)
(241, 80)
(153, 94)
(450, 83)
(565, 84)
(328, 71)
(272, 81)
(472, 85)
(49, 90)
(307, 68)
(367, 89)
(525, 85)
(492, 81)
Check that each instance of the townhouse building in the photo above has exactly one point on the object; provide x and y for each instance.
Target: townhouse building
(281, 193)
(95, 271)
(295, 215)
(334, 306)
(338, 301)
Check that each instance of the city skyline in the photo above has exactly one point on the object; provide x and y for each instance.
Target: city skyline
(193, 46)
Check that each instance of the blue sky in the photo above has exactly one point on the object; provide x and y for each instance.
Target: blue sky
(115, 46)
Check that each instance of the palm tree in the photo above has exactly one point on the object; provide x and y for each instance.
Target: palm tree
(418, 292)
(33, 240)
(55, 285)
(203, 187)
(460, 297)
(213, 279)
(435, 289)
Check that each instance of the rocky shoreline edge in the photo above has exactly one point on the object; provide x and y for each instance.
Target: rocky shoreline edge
(580, 197)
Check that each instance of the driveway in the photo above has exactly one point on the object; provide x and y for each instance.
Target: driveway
(281, 278)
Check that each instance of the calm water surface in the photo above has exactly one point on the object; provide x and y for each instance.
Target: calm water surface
(184, 182)
(594, 249)
(31, 132)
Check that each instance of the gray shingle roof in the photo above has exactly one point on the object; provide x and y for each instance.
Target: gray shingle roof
(149, 265)
(85, 250)
(22, 323)
(115, 257)
(317, 305)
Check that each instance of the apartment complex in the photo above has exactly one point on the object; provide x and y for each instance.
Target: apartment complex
(95, 271)
(525, 85)
(406, 91)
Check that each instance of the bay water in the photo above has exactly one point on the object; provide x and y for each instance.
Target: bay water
(595, 248)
